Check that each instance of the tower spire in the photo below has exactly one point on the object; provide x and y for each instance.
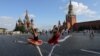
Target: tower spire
(70, 12)
(70, 2)
(26, 16)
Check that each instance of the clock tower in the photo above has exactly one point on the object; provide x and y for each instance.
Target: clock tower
(70, 17)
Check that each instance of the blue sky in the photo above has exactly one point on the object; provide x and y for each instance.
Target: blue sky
(46, 13)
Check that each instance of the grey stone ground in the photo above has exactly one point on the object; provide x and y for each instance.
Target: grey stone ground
(71, 47)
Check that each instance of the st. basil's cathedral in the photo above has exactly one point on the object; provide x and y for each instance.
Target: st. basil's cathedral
(25, 25)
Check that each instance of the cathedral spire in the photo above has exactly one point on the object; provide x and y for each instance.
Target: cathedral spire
(26, 16)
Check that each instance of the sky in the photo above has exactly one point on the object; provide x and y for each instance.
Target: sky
(46, 13)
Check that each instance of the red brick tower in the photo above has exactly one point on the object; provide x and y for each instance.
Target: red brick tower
(70, 17)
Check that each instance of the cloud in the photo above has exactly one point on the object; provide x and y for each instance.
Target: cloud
(81, 9)
(32, 16)
(7, 22)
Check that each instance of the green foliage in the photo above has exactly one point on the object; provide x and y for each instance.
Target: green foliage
(20, 28)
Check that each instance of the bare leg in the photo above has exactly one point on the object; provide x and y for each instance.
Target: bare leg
(52, 50)
(39, 50)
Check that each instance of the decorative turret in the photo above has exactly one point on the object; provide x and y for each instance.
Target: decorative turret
(64, 24)
(32, 24)
(31, 20)
(26, 16)
(19, 20)
(59, 24)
